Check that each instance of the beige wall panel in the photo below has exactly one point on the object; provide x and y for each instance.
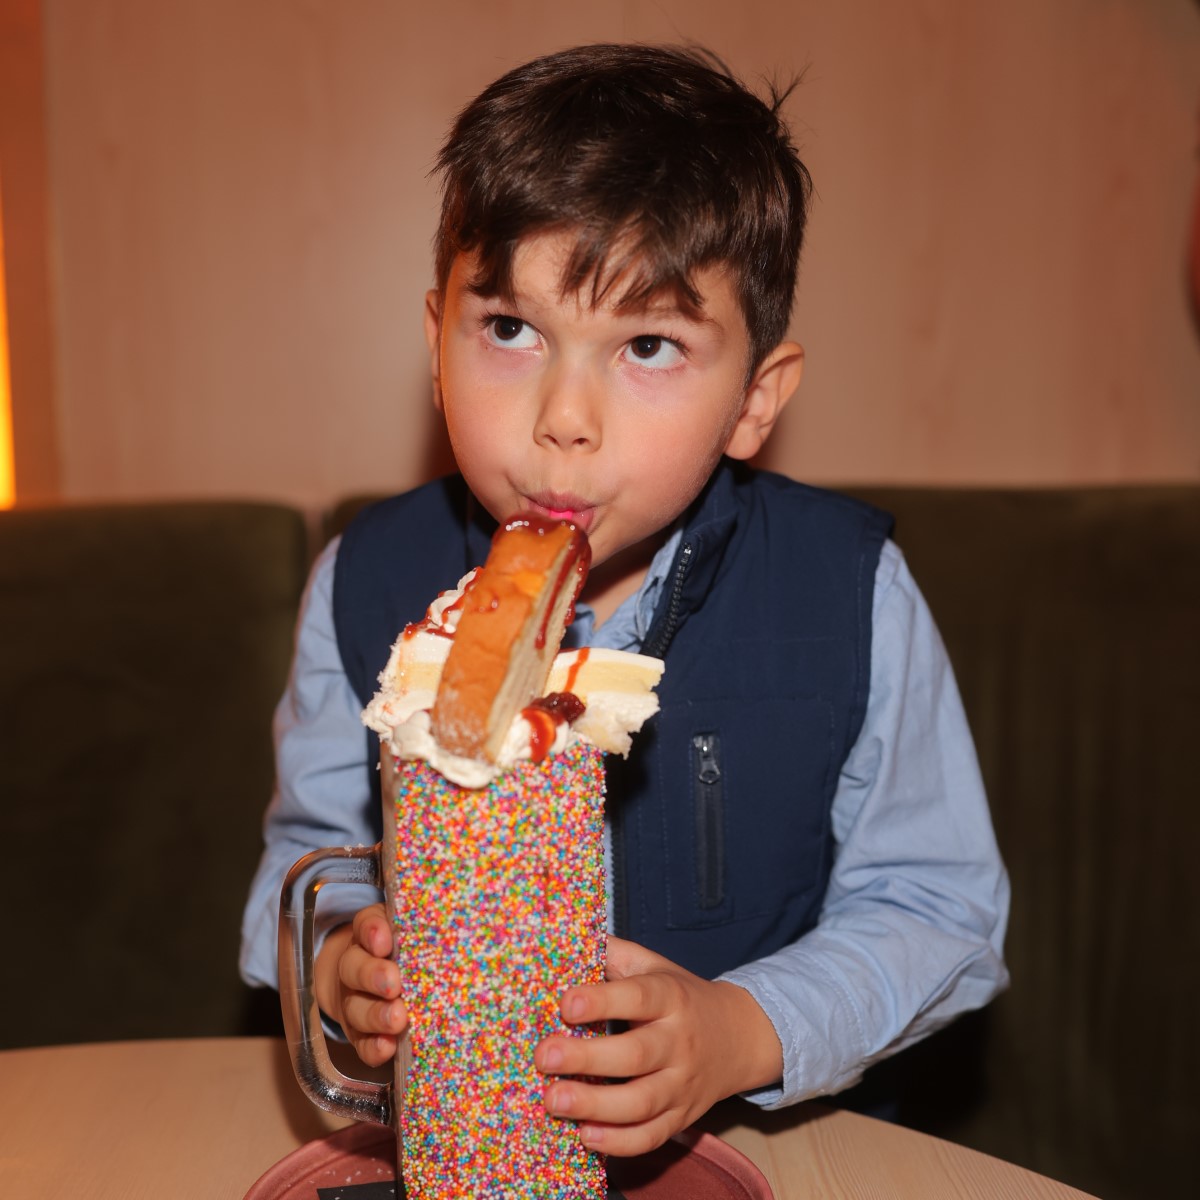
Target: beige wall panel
(992, 289)
(26, 308)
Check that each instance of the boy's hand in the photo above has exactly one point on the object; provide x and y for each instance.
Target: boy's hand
(689, 1044)
(358, 985)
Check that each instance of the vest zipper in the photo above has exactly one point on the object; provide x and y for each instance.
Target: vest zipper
(616, 815)
(709, 820)
(671, 621)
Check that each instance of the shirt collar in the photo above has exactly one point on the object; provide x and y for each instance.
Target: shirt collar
(626, 629)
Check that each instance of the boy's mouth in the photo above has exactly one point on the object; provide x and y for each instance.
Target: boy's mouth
(560, 506)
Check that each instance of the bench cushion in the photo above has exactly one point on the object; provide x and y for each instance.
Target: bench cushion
(143, 648)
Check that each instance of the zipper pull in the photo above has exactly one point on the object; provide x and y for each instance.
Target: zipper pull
(709, 769)
(708, 816)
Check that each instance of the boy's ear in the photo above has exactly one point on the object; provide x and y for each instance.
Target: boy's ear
(433, 326)
(777, 377)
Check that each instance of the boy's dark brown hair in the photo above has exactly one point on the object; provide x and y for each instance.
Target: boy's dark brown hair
(656, 158)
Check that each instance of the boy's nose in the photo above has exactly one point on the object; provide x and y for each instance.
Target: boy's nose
(568, 415)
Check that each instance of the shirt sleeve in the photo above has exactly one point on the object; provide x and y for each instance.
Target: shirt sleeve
(912, 928)
(322, 792)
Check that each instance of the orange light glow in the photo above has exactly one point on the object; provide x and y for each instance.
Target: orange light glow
(7, 473)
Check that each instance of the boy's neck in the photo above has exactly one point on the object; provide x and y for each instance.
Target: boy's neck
(619, 577)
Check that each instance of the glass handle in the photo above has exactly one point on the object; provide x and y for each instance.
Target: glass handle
(323, 1083)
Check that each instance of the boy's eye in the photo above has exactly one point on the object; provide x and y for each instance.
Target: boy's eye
(651, 350)
(511, 332)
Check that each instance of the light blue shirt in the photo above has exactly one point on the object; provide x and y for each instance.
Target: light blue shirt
(912, 928)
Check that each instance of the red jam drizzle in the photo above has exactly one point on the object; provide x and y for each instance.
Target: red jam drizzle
(542, 727)
(545, 715)
(577, 559)
(573, 673)
(427, 624)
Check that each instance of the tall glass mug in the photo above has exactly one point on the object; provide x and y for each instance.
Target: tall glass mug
(497, 897)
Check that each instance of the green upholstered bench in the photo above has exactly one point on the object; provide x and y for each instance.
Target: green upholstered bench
(159, 637)
(1073, 621)
(142, 650)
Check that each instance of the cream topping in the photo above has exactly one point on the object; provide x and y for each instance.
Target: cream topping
(615, 686)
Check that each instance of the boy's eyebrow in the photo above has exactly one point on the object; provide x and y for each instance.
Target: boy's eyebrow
(654, 308)
(687, 312)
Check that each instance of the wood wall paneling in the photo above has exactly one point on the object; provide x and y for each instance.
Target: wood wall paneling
(27, 252)
(993, 289)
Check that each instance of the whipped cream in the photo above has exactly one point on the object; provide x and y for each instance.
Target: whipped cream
(616, 688)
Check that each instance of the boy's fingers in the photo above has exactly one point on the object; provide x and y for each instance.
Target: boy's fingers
(636, 1103)
(623, 959)
(372, 931)
(619, 1056)
(360, 971)
(625, 1141)
(375, 1050)
(367, 1015)
(635, 998)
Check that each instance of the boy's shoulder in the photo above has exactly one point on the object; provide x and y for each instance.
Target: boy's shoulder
(429, 520)
(737, 488)
(756, 536)
(445, 497)
(785, 486)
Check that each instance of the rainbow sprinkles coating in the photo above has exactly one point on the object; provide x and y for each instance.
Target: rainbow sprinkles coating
(499, 907)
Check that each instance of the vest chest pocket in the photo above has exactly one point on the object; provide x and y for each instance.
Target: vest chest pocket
(745, 791)
(708, 818)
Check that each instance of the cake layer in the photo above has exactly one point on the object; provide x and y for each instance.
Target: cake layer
(617, 690)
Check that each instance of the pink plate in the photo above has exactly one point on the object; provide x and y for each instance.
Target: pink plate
(692, 1166)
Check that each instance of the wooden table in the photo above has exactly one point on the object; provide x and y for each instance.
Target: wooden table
(203, 1119)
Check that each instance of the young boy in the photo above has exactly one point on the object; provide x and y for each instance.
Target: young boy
(803, 873)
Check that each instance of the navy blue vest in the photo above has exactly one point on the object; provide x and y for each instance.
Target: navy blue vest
(720, 816)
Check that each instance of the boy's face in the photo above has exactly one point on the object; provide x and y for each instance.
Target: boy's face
(611, 419)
